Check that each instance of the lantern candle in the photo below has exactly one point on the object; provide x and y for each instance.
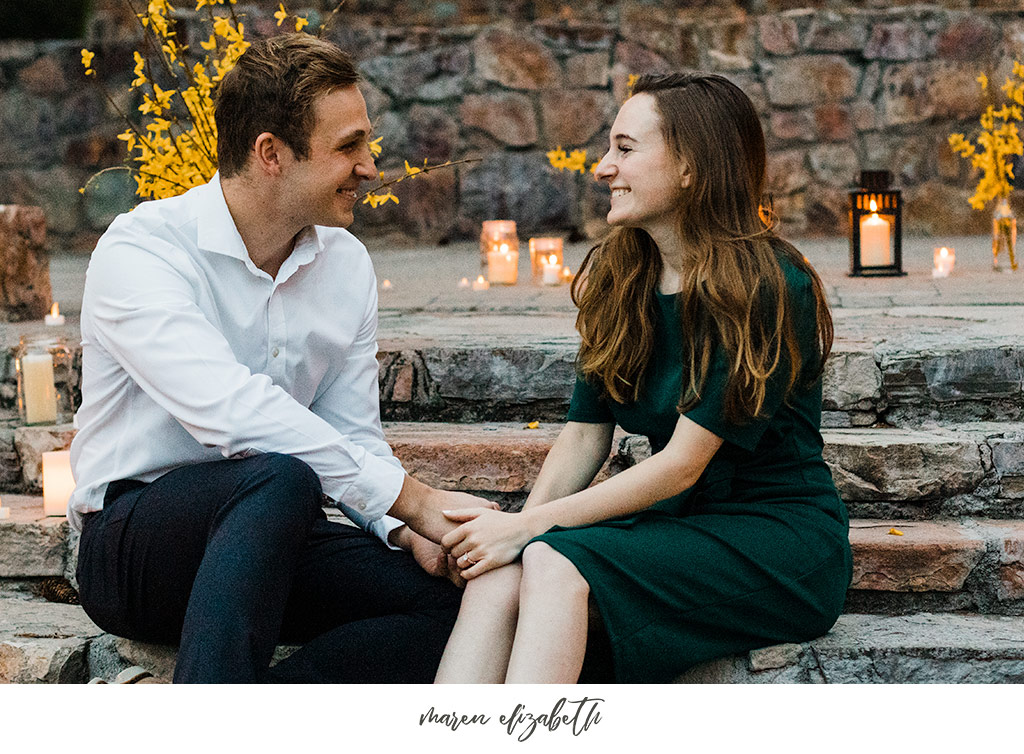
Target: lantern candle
(40, 394)
(874, 239)
(54, 318)
(945, 258)
(58, 482)
(503, 265)
(480, 284)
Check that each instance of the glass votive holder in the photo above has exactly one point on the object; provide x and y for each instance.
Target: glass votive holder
(497, 235)
(44, 368)
(541, 252)
(944, 258)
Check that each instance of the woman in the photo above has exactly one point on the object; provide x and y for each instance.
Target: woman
(704, 331)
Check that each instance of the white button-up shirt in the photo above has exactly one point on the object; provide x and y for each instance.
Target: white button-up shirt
(191, 353)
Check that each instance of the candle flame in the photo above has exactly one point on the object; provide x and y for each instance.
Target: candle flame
(944, 252)
(55, 310)
(874, 206)
(479, 278)
(552, 259)
(504, 248)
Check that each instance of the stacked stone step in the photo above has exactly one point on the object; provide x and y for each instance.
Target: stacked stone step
(925, 444)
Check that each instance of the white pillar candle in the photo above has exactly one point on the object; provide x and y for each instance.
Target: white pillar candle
(874, 240)
(503, 265)
(54, 318)
(552, 274)
(480, 284)
(945, 258)
(541, 251)
(40, 393)
(58, 482)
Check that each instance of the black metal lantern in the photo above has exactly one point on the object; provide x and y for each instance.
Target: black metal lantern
(876, 226)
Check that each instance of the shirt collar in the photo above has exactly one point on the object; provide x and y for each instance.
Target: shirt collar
(216, 231)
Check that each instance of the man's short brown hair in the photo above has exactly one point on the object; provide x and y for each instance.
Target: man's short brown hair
(274, 87)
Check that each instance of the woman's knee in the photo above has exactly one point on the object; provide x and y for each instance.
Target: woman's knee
(547, 569)
(497, 588)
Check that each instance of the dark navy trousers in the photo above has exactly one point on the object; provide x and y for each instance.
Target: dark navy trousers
(228, 559)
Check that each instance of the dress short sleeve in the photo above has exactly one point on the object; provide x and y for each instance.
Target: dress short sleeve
(710, 413)
(587, 405)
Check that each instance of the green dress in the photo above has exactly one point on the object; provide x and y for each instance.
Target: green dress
(755, 553)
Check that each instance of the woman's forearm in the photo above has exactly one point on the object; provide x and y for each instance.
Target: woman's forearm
(663, 475)
(578, 453)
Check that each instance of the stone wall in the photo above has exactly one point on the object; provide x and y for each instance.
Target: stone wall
(842, 87)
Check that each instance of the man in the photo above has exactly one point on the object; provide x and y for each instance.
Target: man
(229, 382)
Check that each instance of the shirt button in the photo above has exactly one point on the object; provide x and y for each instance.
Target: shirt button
(362, 506)
(275, 352)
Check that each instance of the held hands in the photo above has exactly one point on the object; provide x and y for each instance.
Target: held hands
(486, 540)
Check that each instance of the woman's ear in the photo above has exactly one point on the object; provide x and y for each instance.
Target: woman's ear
(685, 175)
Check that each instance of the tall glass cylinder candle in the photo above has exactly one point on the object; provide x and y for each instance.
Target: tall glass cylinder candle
(58, 482)
(541, 251)
(497, 235)
(43, 366)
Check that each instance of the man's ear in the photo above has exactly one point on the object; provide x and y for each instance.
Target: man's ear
(267, 153)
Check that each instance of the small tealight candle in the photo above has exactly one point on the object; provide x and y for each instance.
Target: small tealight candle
(54, 318)
(464, 283)
(552, 273)
(567, 274)
(945, 258)
(480, 284)
(58, 482)
(386, 285)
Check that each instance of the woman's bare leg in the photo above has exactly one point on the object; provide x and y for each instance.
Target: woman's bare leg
(481, 642)
(551, 634)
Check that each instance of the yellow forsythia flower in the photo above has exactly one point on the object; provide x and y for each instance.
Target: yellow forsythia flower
(300, 22)
(375, 147)
(281, 14)
(993, 149)
(896, 532)
(557, 157)
(87, 62)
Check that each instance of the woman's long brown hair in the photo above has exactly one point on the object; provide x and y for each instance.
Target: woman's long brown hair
(733, 294)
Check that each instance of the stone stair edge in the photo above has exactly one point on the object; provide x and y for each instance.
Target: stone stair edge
(976, 561)
(58, 644)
